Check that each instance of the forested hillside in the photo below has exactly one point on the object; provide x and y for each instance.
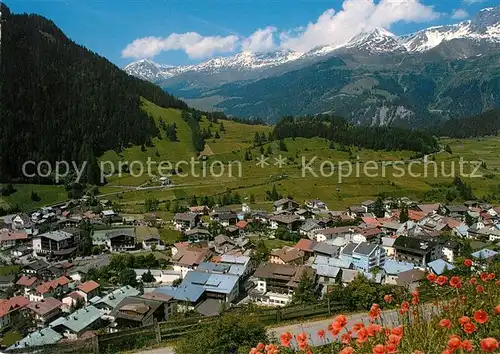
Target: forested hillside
(406, 91)
(60, 101)
(337, 129)
(484, 124)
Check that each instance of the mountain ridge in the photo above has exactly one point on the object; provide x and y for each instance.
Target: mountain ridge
(484, 26)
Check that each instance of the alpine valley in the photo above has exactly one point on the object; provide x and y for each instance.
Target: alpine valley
(376, 78)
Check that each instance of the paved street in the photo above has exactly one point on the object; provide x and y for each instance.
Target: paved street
(388, 318)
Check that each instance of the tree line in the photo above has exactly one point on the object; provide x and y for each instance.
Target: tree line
(483, 124)
(337, 129)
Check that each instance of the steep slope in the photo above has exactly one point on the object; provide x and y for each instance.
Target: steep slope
(484, 124)
(60, 101)
(412, 93)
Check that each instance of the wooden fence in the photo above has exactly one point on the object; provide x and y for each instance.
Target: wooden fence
(164, 331)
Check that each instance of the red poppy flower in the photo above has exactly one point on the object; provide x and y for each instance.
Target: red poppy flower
(456, 282)
(404, 307)
(321, 333)
(415, 300)
(431, 277)
(374, 312)
(469, 328)
(341, 319)
(491, 276)
(481, 316)
(347, 350)
(391, 348)
(463, 320)
(398, 331)
(378, 349)
(388, 298)
(345, 338)
(301, 340)
(442, 279)
(472, 281)
(497, 309)
(467, 345)
(373, 329)
(394, 339)
(357, 326)
(489, 345)
(445, 323)
(479, 289)
(335, 328)
(468, 263)
(497, 283)
(362, 335)
(285, 339)
(485, 276)
(454, 343)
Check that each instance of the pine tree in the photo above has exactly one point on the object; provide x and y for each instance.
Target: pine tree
(221, 127)
(256, 139)
(35, 197)
(379, 208)
(282, 145)
(403, 215)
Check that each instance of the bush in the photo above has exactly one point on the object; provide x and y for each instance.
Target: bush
(230, 334)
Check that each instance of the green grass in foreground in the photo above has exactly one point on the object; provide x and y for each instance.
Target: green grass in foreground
(48, 194)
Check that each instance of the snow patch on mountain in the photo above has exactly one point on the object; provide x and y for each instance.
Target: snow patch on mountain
(485, 26)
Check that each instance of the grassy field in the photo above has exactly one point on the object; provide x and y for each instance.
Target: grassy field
(227, 169)
(338, 192)
(22, 197)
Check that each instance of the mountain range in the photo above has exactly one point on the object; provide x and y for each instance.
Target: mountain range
(375, 78)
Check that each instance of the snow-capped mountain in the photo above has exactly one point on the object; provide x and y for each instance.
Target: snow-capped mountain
(484, 27)
(248, 61)
(376, 41)
(147, 69)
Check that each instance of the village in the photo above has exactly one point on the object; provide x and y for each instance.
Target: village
(223, 258)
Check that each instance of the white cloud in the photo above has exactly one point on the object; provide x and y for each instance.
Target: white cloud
(331, 28)
(195, 45)
(459, 14)
(470, 2)
(261, 40)
(356, 16)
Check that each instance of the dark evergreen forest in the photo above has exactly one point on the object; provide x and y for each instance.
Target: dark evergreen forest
(60, 101)
(338, 130)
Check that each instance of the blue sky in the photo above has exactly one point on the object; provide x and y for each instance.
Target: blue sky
(179, 32)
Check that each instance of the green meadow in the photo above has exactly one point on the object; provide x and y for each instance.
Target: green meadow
(232, 163)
